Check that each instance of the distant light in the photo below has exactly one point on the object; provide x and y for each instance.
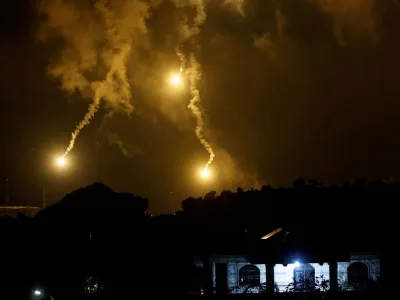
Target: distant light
(37, 292)
(61, 161)
(296, 264)
(176, 79)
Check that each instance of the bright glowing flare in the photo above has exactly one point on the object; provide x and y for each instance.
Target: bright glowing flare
(176, 79)
(205, 173)
(61, 161)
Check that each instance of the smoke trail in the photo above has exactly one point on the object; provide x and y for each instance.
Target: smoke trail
(97, 39)
(116, 84)
(100, 91)
(93, 108)
(70, 19)
(182, 58)
(116, 87)
(193, 72)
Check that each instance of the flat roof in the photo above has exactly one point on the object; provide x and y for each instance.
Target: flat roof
(19, 207)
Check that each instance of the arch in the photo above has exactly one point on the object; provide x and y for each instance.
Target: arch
(357, 272)
(304, 278)
(249, 275)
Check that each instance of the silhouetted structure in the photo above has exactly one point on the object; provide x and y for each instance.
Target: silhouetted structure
(96, 243)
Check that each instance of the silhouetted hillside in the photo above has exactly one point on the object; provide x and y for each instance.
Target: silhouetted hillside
(94, 204)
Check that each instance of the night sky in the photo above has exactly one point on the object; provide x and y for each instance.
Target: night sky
(289, 88)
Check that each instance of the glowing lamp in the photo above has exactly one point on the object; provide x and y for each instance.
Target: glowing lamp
(37, 292)
(296, 264)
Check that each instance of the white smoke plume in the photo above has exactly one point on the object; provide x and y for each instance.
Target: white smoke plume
(192, 69)
(194, 74)
(97, 39)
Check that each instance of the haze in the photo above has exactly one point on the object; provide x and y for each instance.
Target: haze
(289, 89)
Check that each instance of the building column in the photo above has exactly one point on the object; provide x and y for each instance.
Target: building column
(270, 278)
(214, 276)
(333, 276)
(221, 278)
(208, 277)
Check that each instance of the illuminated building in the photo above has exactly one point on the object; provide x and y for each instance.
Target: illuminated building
(270, 266)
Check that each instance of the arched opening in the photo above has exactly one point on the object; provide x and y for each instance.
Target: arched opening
(249, 275)
(357, 272)
(304, 278)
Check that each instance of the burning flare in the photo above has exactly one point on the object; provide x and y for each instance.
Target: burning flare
(176, 79)
(205, 173)
(61, 161)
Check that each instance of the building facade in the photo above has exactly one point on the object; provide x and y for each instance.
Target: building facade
(235, 274)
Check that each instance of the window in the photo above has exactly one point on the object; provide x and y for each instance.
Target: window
(357, 272)
(249, 275)
(304, 278)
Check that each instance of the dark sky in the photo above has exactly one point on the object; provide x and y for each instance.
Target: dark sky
(305, 88)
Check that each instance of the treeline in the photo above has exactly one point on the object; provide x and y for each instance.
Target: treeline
(362, 207)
